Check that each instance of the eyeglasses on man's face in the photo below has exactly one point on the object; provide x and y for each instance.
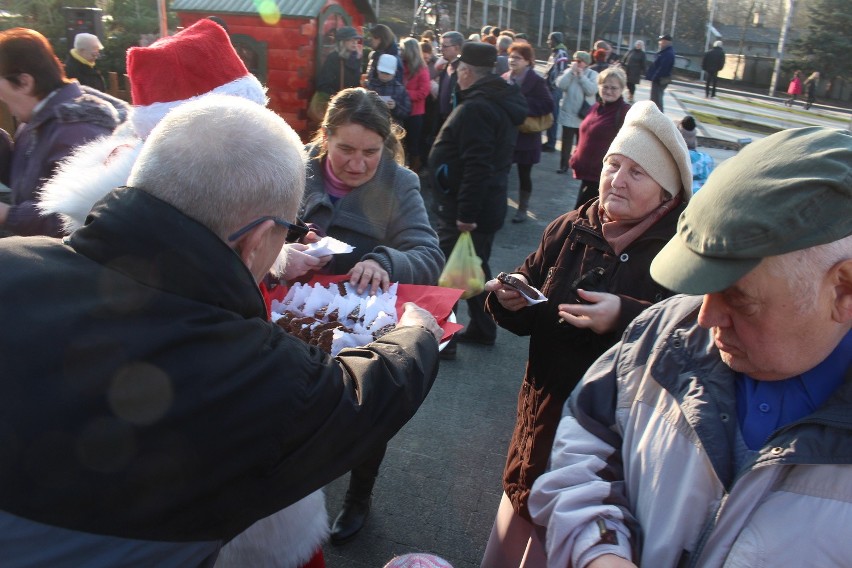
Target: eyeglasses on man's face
(295, 231)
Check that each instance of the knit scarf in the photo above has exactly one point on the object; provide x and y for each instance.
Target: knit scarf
(621, 234)
(81, 59)
(335, 188)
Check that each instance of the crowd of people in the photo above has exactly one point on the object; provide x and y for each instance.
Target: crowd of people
(686, 392)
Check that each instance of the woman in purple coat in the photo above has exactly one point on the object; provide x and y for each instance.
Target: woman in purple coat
(55, 115)
(539, 101)
(597, 131)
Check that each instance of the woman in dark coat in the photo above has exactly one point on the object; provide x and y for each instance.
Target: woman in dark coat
(810, 86)
(609, 244)
(384, 41)
(342, 67)
(528, 145)
(597, 131)
(634, 64)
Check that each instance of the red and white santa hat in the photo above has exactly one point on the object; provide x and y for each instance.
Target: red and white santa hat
(197, 61)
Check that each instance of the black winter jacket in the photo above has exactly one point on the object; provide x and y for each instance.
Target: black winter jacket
(470, 160)
(85, 74)
(146, 396)
(714, 60)
(329, 79)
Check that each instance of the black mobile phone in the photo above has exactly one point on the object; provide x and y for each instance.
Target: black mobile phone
(590, 280)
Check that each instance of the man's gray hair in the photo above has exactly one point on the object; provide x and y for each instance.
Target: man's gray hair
(639, 44)
(803, 269)
(717, 43)
(479, 71)
(223, 161)
(455, 38)
(503, 42)
(87, 41)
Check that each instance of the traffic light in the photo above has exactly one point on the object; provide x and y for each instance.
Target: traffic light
(82, 20)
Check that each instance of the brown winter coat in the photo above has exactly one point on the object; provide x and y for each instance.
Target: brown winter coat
(560, 353)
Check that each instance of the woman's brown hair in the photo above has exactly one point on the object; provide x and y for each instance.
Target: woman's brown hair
(24, 50)
(362, 107)
(523, 49)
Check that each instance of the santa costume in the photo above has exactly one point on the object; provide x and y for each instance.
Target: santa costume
(194, 63)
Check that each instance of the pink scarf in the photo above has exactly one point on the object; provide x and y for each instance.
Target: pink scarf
(335, 188)
(620, 234)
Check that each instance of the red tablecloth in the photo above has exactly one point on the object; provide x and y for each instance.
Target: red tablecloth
(436, 300)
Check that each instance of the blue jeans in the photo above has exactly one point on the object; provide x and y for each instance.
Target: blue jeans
(553, 131)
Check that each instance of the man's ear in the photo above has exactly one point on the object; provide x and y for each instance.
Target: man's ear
(841, 275)
(249, 245)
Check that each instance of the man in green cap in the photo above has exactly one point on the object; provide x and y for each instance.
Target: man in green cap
(719, 431)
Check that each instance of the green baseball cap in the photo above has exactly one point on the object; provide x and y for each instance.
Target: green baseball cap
(790, 191)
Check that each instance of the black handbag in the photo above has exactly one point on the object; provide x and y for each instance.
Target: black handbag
(584, 109)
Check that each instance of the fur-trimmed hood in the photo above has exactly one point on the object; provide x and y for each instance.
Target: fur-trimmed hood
(95, 169)
(92, 171)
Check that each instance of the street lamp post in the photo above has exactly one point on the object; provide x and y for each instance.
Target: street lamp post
(592, 36)
(162, 17)
(674, 18)
(791, 5)
(710, 16)
(632, 24)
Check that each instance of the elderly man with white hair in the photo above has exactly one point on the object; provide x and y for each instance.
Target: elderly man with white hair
(718, 432)
(81, 60)
(151, 410)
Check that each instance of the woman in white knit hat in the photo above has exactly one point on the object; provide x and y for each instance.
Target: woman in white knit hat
(593, 266)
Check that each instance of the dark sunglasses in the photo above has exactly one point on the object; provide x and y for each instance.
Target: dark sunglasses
(295, 231)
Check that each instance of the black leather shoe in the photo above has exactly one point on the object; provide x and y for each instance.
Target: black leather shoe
(562, 170)
(548, 148)
(467, 337)
(351, 519)
(448, 353)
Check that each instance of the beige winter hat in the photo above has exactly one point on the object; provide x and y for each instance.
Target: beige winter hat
(650, 139)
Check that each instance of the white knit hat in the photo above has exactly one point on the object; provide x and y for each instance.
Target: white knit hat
(652, 140)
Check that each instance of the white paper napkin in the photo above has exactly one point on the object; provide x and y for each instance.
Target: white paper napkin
(328, 245)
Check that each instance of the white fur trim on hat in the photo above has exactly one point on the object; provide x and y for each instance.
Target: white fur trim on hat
(652, 140)
(286, 539)
(145, 118)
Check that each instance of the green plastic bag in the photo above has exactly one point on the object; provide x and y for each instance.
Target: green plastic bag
(464, 269)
